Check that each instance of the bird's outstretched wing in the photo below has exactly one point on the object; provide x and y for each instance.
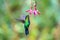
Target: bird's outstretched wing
(20, 20)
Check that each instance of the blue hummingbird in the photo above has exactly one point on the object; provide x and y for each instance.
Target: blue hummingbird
(26, 22)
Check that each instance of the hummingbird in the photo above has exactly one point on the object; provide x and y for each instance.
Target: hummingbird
(26, 21)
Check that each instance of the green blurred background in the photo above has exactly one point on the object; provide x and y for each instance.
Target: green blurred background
(45, 26)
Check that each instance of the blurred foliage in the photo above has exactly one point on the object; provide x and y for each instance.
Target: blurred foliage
(45, 26)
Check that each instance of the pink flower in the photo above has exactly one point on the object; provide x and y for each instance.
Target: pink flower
(35, 11)
(30, 11)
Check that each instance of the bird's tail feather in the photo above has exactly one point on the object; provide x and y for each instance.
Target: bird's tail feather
(26, 31)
